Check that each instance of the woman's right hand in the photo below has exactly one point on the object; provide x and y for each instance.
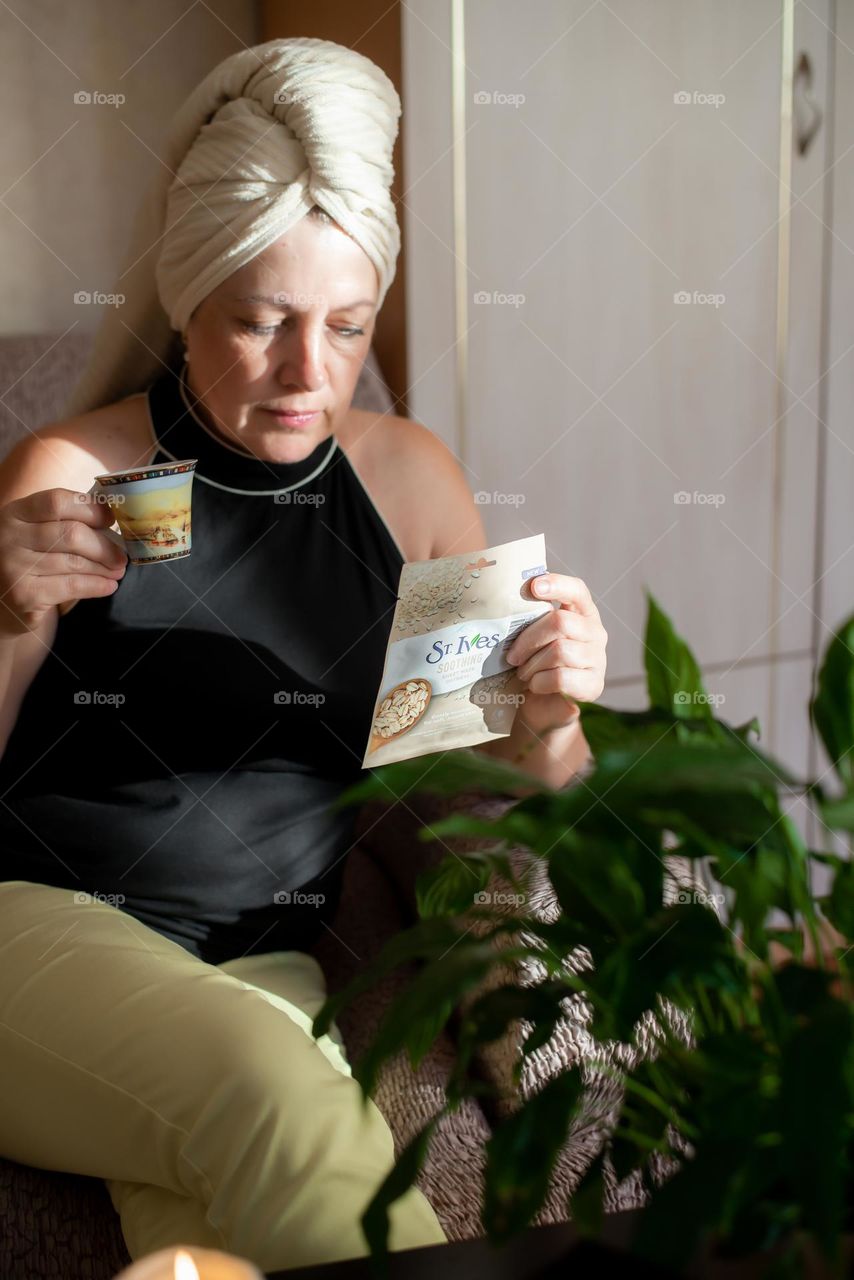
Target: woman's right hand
(52, 551)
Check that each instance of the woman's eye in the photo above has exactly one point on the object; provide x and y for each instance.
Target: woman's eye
(258, 328)
(266, 329)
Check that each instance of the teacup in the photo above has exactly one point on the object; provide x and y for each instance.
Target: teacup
(152, 507)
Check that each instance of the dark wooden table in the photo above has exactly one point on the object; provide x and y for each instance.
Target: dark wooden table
(557, 1253)
(540, 1253)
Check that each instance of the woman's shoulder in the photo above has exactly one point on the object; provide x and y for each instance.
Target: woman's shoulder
(417, 481)
(112, 438)
(387, 441)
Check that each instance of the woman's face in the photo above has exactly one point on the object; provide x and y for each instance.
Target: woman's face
(289, 330)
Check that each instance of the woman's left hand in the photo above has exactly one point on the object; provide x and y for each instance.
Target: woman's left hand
(560, 656)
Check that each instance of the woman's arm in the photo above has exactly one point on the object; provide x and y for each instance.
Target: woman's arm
(553, 756)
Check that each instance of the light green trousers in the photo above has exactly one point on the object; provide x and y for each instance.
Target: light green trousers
(195, 1091)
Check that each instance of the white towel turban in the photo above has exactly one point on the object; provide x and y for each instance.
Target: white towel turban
(268, 133)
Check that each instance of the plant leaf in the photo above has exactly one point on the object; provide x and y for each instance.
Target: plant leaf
(838, 813)
(674, 683)
(375, 1219)
(443, 773)
(816, 1101)
(521, 1154)
(587, 1201)
(419, 1013)
(451, 887)
(833, 706)
(839, 904)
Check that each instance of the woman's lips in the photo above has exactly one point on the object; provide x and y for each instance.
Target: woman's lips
(293, 419)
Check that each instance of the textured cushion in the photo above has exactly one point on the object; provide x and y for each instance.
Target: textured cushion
(390, 834)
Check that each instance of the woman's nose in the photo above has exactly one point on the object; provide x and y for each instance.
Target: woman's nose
(302, 363)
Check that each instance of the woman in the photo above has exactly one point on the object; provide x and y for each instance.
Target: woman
(174, 736)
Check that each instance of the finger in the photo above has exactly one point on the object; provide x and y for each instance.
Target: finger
(552, 626)
(584, 685)
(70, 546)
(60, 588)
(65, 504)
(565, 590)
(559, 653)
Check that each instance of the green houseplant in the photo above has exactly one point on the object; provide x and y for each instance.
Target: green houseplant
(755, 1117)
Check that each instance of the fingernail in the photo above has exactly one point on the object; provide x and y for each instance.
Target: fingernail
(542, 588)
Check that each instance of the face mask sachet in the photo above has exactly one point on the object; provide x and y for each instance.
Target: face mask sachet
(446, 682)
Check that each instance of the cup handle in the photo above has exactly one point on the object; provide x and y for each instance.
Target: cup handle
(111, 533)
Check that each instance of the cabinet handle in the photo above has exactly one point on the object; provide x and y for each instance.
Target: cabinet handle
(808, 114)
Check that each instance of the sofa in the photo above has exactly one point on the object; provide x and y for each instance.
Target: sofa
(60, 1224)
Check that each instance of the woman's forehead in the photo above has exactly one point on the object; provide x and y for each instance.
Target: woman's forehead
(303, 271)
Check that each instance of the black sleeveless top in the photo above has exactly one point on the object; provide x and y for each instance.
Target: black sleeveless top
(179, 748)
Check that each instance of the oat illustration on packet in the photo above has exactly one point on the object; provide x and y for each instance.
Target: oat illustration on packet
(446, 682)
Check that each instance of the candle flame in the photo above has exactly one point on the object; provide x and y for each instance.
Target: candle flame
(185, 1268)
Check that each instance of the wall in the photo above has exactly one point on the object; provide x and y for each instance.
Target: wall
(71, 173)
(590, 167)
